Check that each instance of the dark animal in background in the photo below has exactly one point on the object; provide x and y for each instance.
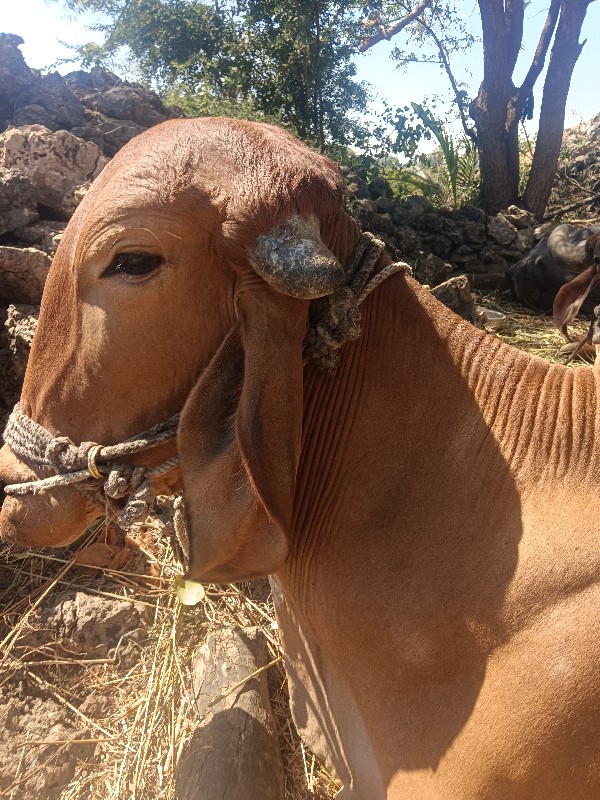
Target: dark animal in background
(553, 262)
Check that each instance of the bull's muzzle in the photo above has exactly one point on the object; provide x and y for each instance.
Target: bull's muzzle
(47, 519)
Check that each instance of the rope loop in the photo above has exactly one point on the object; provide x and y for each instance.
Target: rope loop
(335, 318)
(90, 467)
(56, 449)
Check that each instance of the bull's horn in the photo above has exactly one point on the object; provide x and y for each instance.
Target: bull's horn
(562, 248)
(294, 260)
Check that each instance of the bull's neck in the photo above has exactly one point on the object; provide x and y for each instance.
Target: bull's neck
(421, 384)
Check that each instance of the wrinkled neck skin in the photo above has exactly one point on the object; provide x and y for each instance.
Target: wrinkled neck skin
(444, 550)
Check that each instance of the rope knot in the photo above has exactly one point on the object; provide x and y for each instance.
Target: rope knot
(123, 479)
(335, 319)
(57, 449)
(138, 507)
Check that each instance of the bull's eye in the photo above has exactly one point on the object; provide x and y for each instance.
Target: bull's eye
(134, 264)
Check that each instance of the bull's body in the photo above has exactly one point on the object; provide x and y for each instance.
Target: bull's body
(429, 513)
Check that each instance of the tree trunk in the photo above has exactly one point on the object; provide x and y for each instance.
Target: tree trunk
(565, 52)
(496, 109)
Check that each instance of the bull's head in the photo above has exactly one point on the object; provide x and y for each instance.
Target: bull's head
(184, 281)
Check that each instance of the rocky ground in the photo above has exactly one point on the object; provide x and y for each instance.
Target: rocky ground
(97, 683)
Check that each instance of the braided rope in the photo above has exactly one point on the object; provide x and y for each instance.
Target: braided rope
(335, 319)
(90, 467)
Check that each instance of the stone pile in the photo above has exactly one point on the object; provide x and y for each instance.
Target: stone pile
(440, 242)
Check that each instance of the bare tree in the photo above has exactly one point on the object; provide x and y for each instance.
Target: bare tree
(500, 105)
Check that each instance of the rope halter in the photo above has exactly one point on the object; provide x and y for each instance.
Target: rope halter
(335, 318)
(97, 472)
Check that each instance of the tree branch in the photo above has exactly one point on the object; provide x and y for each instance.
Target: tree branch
(513, 14)
(457, 95)
(539, 57)
(392, 30)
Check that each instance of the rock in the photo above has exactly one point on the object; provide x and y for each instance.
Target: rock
(34, 115)
(97, 79)
(93, 626)
(439, 244)
(128, 101)
(473, 213)
(23, 273)
(52, 93)
(234, 752)
(356, 186)
(44, 235)
(18, 204)
(40, 773)
(493, 260)
(17, 326)
(20, 325)
(56, 163)
(409, 242)
(379, 187)
(431, 270)
(456, 295)
(15, 75)
(109, 134)
(520, 218)
(463, 255)
(429, 223)
(474, 232)
(501, 230)
(525, 239)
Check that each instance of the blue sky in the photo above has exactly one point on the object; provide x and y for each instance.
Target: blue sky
(43, 25)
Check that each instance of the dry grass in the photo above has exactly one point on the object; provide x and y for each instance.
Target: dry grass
(147, 717)
(530, 331)
(146, 709)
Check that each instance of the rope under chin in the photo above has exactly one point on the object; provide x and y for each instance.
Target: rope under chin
(96, 470)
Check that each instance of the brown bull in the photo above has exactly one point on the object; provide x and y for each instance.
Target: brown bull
(429, 513)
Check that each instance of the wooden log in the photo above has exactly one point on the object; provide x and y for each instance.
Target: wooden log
(234, 752)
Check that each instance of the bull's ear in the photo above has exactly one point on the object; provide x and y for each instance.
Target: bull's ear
(239, 442)
(571, 296)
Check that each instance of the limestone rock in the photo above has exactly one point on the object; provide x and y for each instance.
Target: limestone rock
(18, 205)
(27, 718)
(44, 235)
(17, 326)
(23, 273)
(432, 270)
(91, 625)
(15, 75)
(52, 93)
(501, 230)
(456, 294)
(520, 218)
(56, 164)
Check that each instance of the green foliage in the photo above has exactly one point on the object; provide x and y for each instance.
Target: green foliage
(459, 160)
(288, 61)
